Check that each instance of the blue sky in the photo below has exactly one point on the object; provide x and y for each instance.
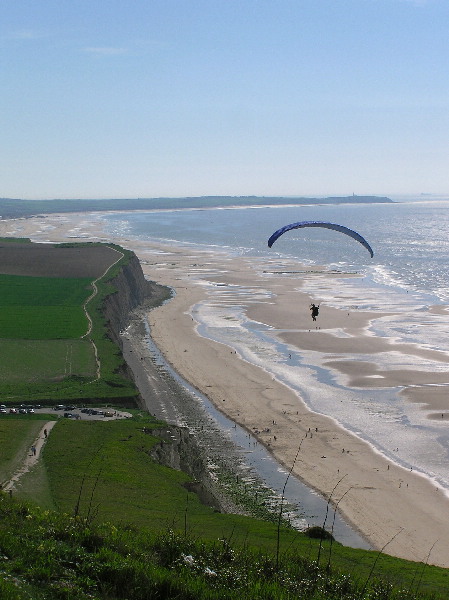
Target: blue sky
(146, 98)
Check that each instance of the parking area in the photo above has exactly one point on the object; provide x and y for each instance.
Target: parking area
(68, 411)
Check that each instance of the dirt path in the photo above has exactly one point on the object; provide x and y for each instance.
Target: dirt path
(89, 319)
(95, 292)
(31, 457)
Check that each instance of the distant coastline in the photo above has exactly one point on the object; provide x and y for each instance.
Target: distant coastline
(11, 208)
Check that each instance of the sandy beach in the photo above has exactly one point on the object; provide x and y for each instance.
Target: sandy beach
(394, 508)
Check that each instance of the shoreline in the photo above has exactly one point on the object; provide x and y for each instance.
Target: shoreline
(237, 458)
(364, 474)
(392, 507)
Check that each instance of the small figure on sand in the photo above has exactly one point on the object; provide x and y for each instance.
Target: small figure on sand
(315, 310)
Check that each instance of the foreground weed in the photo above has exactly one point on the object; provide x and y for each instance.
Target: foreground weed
(54, 556)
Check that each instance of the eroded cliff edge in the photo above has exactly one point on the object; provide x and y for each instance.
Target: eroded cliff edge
(131, 290)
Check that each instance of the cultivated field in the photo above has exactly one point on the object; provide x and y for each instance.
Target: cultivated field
(48, 351)
(49, 260)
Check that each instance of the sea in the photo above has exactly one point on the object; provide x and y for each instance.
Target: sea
(408, 274)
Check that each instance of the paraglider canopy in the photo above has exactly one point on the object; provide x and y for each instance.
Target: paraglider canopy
(325, 224)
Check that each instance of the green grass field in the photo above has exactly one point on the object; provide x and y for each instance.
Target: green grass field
(106, 467)
(33, 361)
(17, 290)
(42, 322)
(42, 307)
(103, 472)
(99, 456)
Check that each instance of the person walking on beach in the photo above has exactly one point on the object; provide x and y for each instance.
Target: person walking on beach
(315, 310)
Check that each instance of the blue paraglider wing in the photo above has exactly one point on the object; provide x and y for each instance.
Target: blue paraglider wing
(324, 224)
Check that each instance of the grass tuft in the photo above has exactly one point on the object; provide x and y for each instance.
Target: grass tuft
(45, 555)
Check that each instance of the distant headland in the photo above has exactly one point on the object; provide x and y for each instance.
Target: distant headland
(11, 208)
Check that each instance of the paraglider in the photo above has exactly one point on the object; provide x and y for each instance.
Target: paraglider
(325, 224)
(315, 310)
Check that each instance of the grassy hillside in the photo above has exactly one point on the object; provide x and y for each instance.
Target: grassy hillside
(128, 528)
(50, 556)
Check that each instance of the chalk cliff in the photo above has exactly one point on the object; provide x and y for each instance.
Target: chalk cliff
(131, 290)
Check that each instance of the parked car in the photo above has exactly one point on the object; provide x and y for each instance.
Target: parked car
(13, 411)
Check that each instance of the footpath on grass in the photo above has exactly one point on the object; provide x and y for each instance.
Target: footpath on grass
(32, 456)
(89, 318)
(36, 447)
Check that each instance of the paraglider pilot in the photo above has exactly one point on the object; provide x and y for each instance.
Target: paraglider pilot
(315, 310)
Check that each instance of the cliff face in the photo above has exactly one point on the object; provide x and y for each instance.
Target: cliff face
(132, 290)
(179, 450)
